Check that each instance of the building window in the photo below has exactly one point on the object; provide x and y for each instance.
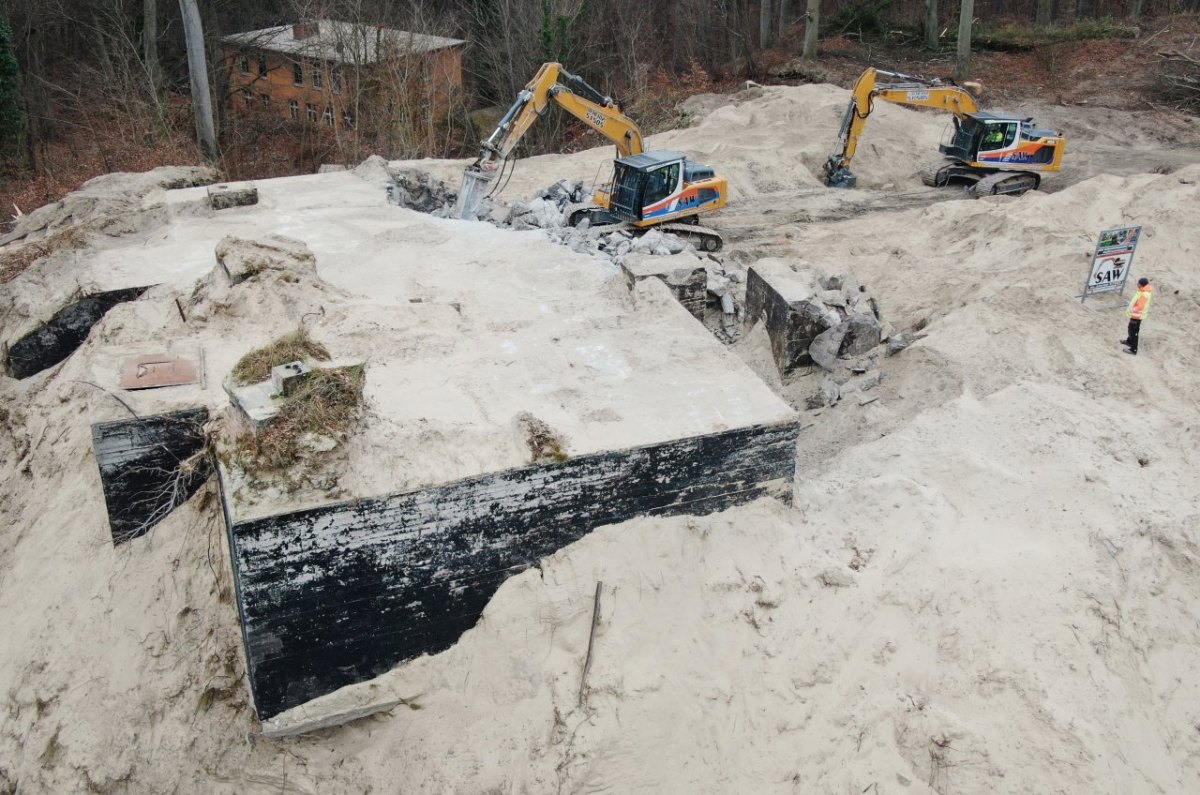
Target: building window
(262, 67)
(335, 77)
(328, 117)
(316, 77)
(311, 110)
(245, 65)
(266, 101)
(294, 107)
(248, 98)
(298, 74)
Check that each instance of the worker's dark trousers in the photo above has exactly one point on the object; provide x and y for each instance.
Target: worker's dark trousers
(1135, 328)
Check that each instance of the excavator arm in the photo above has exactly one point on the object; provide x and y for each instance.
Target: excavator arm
(552, 84)
(901, 89)
(573, 94)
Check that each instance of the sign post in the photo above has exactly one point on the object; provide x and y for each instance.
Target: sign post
(1112, 261)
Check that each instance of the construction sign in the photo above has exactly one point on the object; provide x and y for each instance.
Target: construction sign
(1112, 261)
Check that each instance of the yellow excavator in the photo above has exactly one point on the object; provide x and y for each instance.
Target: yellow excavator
(992, 152)
(659, 189)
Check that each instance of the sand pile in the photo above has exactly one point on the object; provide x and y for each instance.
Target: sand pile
(988, 583)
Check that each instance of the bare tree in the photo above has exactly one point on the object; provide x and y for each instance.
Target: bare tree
(764, 23)
(812, 24)
(966, 15)
(1045, 14)
(783, 13)
(193, 31)
(150, 44)
(931, 24)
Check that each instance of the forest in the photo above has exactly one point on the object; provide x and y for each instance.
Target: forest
(91, 86)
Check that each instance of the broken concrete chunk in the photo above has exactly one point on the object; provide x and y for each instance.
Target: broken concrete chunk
(861, 335)
(684, 274)
(232, 194)
(825, 346)
(897, 343)
(785, 300)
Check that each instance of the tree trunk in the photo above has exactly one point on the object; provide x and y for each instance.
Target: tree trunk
(150, 43)
(812, 22)
(764, 23)
(1045, 14)
(1085, 8)
(966, 15)
(931, 24)
(783, 4)
(1135, 12)
(193, 33)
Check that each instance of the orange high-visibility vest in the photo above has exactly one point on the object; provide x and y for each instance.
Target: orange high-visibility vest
(1140, 305)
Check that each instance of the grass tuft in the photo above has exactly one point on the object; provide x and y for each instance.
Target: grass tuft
(325, 405)
(256, 365)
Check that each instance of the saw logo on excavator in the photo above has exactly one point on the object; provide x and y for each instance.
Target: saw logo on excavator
(660, 189)
(991, 152)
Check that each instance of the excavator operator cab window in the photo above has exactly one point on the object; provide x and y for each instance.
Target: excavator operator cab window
(661, 183)
(999, 136)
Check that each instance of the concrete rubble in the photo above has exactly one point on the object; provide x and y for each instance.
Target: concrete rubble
(828, 321)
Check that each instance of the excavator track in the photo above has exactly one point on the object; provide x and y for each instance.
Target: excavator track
(936, 175)
(1004, 183)
(701, 237)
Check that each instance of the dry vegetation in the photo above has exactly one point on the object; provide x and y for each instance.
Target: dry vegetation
(324, 407)
(256, 365)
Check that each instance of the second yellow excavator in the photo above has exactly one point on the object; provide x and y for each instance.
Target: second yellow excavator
(660, 189)
(992, 152)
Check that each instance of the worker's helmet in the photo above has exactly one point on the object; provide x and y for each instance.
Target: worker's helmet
(1142, 282)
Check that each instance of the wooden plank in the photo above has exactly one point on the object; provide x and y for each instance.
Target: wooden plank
(341, 593)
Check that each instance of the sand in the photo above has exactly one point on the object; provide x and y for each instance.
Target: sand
(989, 581)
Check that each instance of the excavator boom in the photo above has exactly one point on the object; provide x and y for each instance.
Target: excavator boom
(901, 89)
(552, 84)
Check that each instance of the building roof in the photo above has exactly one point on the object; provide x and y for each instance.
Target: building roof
(343, 42)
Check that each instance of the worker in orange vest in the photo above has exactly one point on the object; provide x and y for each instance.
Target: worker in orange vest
(1139, 307)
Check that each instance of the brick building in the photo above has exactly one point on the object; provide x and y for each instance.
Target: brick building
(340, 73)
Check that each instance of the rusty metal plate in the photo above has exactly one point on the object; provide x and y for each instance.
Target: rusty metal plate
(156, 370)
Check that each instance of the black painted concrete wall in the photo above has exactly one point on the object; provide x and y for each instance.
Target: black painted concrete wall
(148, 466)
(791, 327)
(342, 593)
(49, 344)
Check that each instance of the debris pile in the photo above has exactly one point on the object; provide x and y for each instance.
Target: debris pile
(832, 322)
(419, 190)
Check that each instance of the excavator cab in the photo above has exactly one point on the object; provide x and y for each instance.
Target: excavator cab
(661, 186)
(991, 140)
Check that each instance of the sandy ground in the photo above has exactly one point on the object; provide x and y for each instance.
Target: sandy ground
(989, 581)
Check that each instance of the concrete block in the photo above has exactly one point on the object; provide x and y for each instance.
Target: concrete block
(787, 302)
(148, 466)
(232, 194)
(684, 274)
(285, 378)
(338, 594)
